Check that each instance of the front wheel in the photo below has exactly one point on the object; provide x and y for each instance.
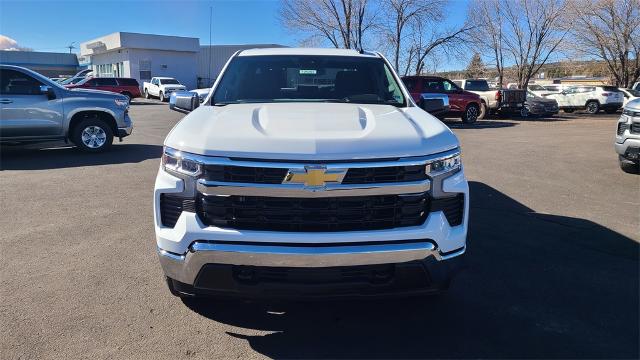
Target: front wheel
(593, 107)
(93, 135)
(146, 94)
(524, 112)
(484, 110)
(470, 114)
(161, 96)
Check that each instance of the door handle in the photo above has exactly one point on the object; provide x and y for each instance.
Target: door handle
(5, 101)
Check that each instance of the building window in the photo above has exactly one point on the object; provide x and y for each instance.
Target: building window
(145, 75)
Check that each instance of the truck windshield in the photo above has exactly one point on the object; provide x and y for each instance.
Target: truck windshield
(307, 78)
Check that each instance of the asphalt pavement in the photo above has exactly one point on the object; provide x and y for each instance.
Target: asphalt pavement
(551, 269)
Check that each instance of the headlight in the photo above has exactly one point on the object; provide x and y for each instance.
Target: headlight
(174, 161)
(122, 102)
(448, 165)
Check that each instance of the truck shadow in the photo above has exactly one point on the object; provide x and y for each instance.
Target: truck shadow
(535, 286)
(480, 124)
(23, 158)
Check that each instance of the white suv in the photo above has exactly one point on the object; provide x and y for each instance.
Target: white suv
(590, 98)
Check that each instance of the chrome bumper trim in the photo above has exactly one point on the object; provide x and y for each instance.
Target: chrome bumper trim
(186, 267)
(300, 191)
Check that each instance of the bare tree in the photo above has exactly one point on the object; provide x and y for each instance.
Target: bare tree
(535, 31)
(487, 34)
(609, 30)
(414, 31)
(344, 23)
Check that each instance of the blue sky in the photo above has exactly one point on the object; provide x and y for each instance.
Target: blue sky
(51, 25)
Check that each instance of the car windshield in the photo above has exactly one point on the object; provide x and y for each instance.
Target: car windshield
(476, 85)
(307, 78)
(169, 82)
(531, 95)
(634, 92)
(536, 88)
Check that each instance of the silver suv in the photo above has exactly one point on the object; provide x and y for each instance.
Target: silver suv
(35, 109)
(628, 137)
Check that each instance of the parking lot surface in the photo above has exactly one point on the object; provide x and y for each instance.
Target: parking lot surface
(551, 268)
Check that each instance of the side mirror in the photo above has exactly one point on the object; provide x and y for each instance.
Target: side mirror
(47, 90)
(183, 101)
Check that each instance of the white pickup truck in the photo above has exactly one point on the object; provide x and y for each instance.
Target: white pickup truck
(161, 87)
(309, 172)
(495, 101)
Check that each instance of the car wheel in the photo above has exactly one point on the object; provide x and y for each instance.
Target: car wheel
(611, 110)
(146, 94)
(524, 112)
(569, 111)
(593, 107)
(628, 166)
(93, 135)
(483, 111)
(161, 96)
(470, 114)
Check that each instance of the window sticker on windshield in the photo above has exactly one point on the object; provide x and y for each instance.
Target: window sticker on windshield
(308, 72)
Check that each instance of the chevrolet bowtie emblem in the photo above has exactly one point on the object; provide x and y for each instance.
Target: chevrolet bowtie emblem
(314, 176)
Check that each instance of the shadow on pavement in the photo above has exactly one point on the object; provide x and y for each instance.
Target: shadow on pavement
(535, 286)
(21, 158)
(148, 102)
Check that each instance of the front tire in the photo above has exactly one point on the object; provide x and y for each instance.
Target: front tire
(161, 96)
(93, 135)
(484, 110)
(593, 107)
(146, 94)
(470, 114)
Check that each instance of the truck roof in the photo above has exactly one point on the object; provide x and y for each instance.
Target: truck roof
(306, 51)
(162, 77)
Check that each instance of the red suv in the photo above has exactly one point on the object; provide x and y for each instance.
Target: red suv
(125, 86)
(461, 103)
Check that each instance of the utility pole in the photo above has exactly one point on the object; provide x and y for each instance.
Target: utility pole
(210, 40)
(71, 47)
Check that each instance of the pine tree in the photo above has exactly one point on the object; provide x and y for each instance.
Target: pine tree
(476, 68)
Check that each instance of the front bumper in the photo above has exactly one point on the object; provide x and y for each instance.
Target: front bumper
(629, 148)
(127, 127)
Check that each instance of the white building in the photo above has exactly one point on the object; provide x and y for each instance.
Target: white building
(142, 56)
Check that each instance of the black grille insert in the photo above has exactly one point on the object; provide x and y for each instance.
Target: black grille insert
(635, 128)
(452, 207)
(314, 214)
(244, 174)
(172, 206)
(265, 175)
(385, 174)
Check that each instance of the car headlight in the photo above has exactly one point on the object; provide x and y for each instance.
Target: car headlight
(122, 102)
(448, 165)
(173, 161)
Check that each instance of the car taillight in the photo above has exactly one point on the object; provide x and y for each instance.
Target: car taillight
(498, 95)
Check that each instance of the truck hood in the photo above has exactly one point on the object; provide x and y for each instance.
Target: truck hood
(92, 93)
(324, 131)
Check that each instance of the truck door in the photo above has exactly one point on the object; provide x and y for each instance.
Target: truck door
(25, 111)
(155, 86)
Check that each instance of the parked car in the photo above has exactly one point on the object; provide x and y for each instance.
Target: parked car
(161, 87)
(591, 98)
(555, 88)
(320, 169)
(627, 143)
(540, 106)
(501, 101)
(460, 103)
(629, 94)
(35, 109)
(126, 86)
